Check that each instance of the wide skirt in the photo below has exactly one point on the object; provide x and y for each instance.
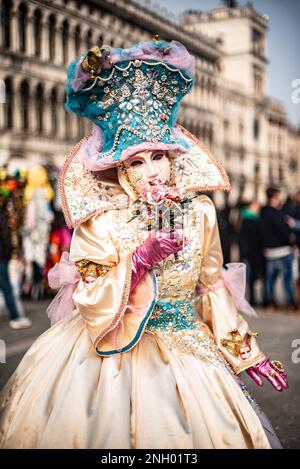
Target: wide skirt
(63, 395)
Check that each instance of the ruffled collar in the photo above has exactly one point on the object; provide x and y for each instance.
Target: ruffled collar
(84, 193)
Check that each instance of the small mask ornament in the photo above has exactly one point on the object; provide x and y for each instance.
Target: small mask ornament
(238, 345)
(94, 61)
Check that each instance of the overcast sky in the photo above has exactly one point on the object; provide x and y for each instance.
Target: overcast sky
(283, 42)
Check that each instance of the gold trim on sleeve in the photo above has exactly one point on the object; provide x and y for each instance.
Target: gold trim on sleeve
(238, 345)
(244, 366)
(91, 269)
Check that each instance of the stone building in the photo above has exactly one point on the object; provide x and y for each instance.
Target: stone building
(228, 108)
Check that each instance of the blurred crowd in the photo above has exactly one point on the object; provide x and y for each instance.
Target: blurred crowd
(268, 241)
(33, 235)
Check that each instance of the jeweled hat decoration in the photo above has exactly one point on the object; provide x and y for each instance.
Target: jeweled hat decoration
(132, 96)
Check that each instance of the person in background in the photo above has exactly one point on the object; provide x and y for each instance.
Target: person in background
(250, 241)
(6, 248)
(292, 210)
(277, 250)
(227, 232)
(59, 241)
(15, 183)
(293, 223)
(37, 224)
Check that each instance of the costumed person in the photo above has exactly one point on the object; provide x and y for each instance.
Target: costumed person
(151, 354)
(11, 265)
(59, 241)
(38, 218)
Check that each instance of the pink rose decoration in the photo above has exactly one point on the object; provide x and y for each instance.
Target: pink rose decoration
(156, 195)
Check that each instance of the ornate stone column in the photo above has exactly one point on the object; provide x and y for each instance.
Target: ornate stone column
(58, 60)
(45, 53)
(29, 33)
(47, 111)
(71, 40)
(30, 107)
(3, 99)
(61, 123)
(14, 35)
(16, 111)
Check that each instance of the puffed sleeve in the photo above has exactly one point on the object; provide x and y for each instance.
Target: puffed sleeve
(114, 317)
(216, 305)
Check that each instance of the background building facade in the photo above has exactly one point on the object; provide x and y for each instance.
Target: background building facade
(228, 107)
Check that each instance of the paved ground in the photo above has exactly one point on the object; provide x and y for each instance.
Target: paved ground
(277, 333)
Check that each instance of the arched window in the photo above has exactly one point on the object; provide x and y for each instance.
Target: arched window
(209, 86)
(52, 26)
(202, 82)
(211, 134)
(89, 43)
(37, 28)
(5, 24)
(53, 109)
(67, 121)
(100, 40)
(22, 24)
(39, 102)
(8, 103)
(65, 41)
(67, 124)
(24, 102)
(256, 128)
(77, 40)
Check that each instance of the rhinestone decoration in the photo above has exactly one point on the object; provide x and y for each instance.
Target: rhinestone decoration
(177, 323)
(141, 98)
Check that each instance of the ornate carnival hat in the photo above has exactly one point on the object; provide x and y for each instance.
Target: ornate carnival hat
(132, 96)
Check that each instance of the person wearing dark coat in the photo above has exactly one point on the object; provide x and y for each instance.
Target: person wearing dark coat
(277, 249)
(251, 246)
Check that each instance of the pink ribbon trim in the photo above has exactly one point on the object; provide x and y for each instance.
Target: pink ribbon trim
(234, 279)
(65, 276)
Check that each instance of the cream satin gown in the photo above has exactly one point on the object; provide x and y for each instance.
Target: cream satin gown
(141, 370)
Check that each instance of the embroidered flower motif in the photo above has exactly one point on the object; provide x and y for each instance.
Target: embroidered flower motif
(130, 108)
(144, 101)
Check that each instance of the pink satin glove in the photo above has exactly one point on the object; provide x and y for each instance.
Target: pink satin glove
(277, 378)
(152, 251)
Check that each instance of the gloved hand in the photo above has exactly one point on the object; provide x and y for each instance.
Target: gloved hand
(153, 250)
(272, 370)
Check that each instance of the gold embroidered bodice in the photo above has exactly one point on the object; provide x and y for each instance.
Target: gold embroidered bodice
(176, 276)
(179, 317)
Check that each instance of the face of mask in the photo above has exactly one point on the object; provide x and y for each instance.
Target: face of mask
(146, 167)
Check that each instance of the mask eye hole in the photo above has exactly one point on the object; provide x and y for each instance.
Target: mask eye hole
(135, 163)
(158, 156)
